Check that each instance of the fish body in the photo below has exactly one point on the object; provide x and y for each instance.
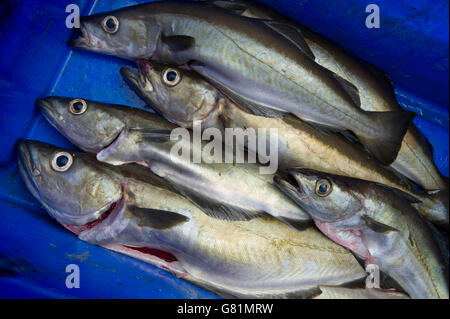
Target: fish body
(223, 190)
(253, 61)
(377, 223)
(300, 144)
(375, 91)
(139, 214)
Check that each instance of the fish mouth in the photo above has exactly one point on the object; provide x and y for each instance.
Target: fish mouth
(29, 172)
(25, 159)
(49, 113)
(105, 221)
(105, 215)
(286, 181)
(136, 80)
(82, 39)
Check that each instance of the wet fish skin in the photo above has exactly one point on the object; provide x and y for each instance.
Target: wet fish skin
(376, 223)
(194, 99)
(276, 74)
(375, 90)
(216, 187)
(257, 258)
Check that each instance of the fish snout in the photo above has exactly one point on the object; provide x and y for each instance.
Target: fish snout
(25, 157)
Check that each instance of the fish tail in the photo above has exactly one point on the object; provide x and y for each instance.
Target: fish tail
(392, 127)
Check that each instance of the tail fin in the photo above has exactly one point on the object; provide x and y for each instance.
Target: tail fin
(392, 128)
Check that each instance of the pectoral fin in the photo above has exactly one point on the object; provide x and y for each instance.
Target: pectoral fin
(152, 135)
(377, 226)
(157, 219)
(177, 43)
(217, 209)
(399, 193)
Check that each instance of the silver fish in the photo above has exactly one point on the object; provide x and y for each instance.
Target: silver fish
(187, 97)
(264, 66)
(375, 90)
(130, 210)
(377, 223)
(120, 135)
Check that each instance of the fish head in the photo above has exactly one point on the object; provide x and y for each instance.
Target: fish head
(90, 125)
(324, 197)
(124, 33)
(72, 186)
(180, 95)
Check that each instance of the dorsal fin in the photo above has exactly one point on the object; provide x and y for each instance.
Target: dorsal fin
(351, 90)
(246, 104)
(293, 34)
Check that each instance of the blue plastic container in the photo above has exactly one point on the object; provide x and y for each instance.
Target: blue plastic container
(411, 46)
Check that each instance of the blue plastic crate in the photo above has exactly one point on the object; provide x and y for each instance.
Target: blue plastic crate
(411, 46)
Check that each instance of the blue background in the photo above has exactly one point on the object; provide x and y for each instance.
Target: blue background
(411, 47)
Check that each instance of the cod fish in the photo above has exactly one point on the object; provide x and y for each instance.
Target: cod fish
(264, 66)
(376, 223)
(358, 293)
(120, 135)
(182, 97)
(130, 210)
(375, 91)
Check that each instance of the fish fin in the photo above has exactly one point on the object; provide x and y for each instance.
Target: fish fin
(393, 126)
(237, 8)
(218, 209)
(291, 33)
(351, 89)
(376, 226)
(352, 138)
(157, 219)
(382, 77)
(247, 105)
(401, 194)
(297, 224)
(179, 42)
(153, 135)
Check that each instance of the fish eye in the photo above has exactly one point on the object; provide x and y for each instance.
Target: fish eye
(323, 187)
(171, 77)
(110, 24)
(61, 161)
(77, 106)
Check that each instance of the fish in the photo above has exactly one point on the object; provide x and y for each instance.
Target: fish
(190, 98)
(130, 210)
(122, 135)
(377, 223)
(414, 159)
(358, 293)
(264, 66)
